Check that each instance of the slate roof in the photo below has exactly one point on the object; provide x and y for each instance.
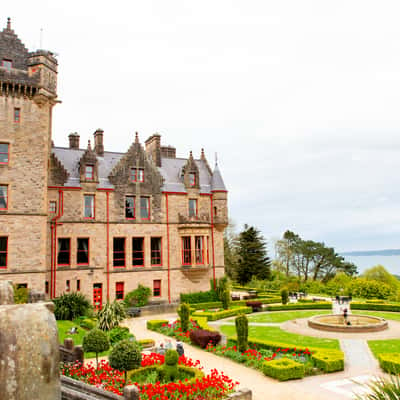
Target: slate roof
(217, 183)
(171, 170)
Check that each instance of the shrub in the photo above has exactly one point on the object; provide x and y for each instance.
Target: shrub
(170, 369)
(242, 332)
(184, 313)
(138, 297)
(382, 389)
(95, 341)
(147, 343)
(119, 333)
(284, 295)
(283, 369)
(324, 305)
(375, 307)
(126, 355)
(154, 324)
(199, 297)
(375, 301)
(255, 305)
(390, 362)
(21, 295)
(70, 306)
(203, 337)
(202, 323)
(329, 360)
(214, 316)
(110, 315)
(225, 299)
(369, 289)
(88, 323)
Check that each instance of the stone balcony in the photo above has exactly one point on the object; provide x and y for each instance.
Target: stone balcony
(200, 221)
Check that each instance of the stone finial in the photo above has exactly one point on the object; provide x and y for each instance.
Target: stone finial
(89, 147)
(191, 155)
(136, 137)
(216, 159)
(202, 155)
(9, 24)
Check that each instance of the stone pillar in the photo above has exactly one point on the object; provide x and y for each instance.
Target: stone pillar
(6, 293)
(131, 392)
(29, 352)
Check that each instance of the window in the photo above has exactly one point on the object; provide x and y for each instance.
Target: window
(46, 287)
(130, 207)
(192, 208)
(137, 175)
(138, 252)
(215, 211)
(3, 197)
(145, 207)
(3, 251)
(82, 253)
(67, 285)
(3, 153)
(6, 64)
(119, 252)
(89, 206)
(157, 288)
(52, 207)
(192, 179)
(17, 115)
(186, 251)
(89, 170)
(199, 249)
(119, 290)
(78, 285)
(64, 248)
(156, 251)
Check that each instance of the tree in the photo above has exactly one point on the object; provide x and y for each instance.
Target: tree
(381, 274)
(125, 355)
(252, 256)
(96, 341)
(230, 250)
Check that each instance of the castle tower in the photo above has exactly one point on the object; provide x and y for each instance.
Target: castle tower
(28, 92)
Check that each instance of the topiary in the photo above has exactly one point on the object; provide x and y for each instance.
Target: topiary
(284, 296)
(125, 355)
(97, 341)
(170, 369)
(226, 299)
(242, 331)
(184, 313)
(110, 316)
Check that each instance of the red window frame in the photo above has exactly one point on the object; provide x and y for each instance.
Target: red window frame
(191, 209)
(52, 207)
(199, 251)
(119, 255)
(91, 207)
(67, 251)
(67, 285)
(155, 254)
(17, 115)
(89, 172)
(5, 198)
(130, 207)
(137, 175)
(157, 288)
(3, 252)
(138, 255)
(2, 152)
(6, 63)
(82, 251)
(78, 285)
(147, 208)
(192, 179)
(186, 250)
(119, 290)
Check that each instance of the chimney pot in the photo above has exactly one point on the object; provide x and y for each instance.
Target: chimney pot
(98, 142)
(73, 141)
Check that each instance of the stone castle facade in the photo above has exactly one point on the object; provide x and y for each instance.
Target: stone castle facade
(98, 222)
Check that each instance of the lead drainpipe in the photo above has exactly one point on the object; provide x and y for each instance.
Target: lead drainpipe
(108, 246)
(59, 215)
(212, 239)
(50, 287)
(169, 279)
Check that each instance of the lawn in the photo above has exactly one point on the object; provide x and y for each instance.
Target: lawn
(278, 335)
(382, 314)
(282, 316)
(384, 346)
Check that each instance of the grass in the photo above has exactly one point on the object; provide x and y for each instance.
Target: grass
(382, 314)
(384, 346)
(278, 335)
(278, 316)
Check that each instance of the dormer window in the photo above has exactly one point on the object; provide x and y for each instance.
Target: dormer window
(7, 64)
(89, 172)
(137, 175)
(192, 179)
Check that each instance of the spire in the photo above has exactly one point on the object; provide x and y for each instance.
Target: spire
(89, 147)
(9, 24)
(202, 155)
(217, 183)
(136, 137)
(191, 155)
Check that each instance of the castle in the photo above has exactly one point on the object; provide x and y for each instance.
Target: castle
(89, 220)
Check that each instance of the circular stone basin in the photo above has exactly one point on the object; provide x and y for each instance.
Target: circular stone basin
(358, 323)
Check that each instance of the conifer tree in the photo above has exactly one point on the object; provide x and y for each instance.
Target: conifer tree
(253, 260)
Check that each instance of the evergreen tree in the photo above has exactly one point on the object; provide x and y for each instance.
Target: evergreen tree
(252, 256)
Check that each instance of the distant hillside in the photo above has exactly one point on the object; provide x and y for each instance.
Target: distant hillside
(389, 252)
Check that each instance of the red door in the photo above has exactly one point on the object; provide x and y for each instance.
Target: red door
(97, 296)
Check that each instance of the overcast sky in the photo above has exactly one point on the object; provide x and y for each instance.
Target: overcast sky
(300, 99)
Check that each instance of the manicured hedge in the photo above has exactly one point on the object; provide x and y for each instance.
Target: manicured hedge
(202, 323)
(390, 362)
(195, 372)
(328, 361)
(375, 307)
(375, 301)
(199, 297)
(300, 306)
(241, 303)
(214, 316)
(146, 343)
(156, 323)
(284, 369)
(210, 304)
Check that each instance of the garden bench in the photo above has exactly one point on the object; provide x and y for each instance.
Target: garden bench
(133, 312)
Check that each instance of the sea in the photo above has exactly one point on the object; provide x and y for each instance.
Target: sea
(391, 263)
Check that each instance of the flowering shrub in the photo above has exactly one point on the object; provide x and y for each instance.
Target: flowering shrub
(215, 385)
(175, 330)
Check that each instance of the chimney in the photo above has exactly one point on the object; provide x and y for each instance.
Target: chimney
(74, 141)
(153, 148)
(98, 142)
(168, 152)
